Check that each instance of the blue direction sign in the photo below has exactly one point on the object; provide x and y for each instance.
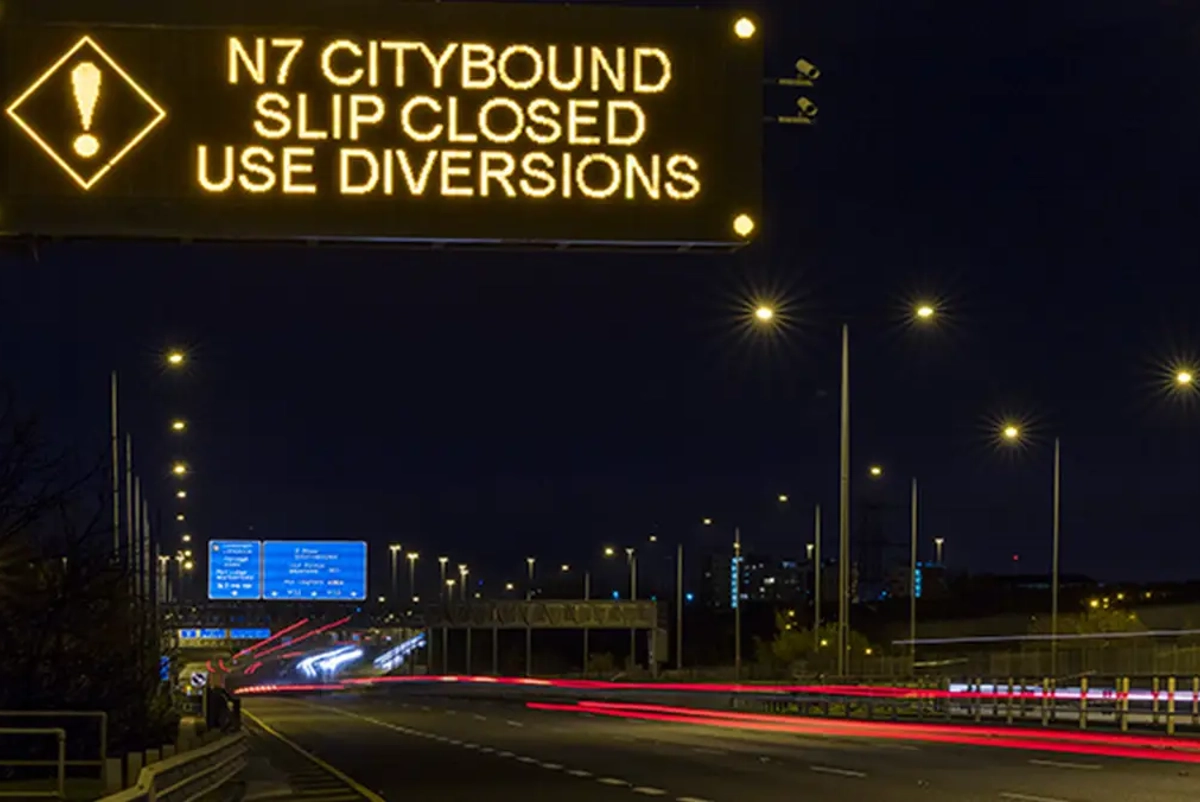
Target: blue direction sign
(249, 634)
(234, 569)
(328, 570)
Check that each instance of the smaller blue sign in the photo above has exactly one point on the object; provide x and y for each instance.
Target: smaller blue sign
(214, 634)
(189, 634)
(234, 569)
(249, 634)
(164, 668)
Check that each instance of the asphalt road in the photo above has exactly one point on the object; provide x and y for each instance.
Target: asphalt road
(403, 747)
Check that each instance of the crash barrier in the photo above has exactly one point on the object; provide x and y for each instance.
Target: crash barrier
(191, 775)
(31, 731)
(59, 791)
(1170, 704)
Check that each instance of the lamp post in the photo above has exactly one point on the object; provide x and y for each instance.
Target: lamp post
(923, 313)
(462, 575)
(631, 558)
(912, 579)
(938, 543)
(394, 549)
(1013, 434)
(442, 575)
(737, 604)
(412, 574)
(529, 562)
(816, 556)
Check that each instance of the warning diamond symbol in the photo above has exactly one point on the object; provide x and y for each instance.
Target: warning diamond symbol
(86, 112)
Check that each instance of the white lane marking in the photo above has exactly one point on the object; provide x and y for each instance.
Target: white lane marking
(505, 754)
(579, 773)
(702, 750)
(471, 746)
(512, 723)
(691, 799)
(487, 750)
(480, 718)
(526, 759)
(1062, 764)
(1028, 797)
(837, 771)
(453, 742)
(552, 766)
(611, 781)
(648, 791)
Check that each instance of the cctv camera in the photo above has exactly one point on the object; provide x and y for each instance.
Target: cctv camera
(807, 107)
(808, 69)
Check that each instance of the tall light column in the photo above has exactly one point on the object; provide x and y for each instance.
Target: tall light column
(737, 604)
(529, 561)
(442, 575)
(816, 578)
(412, 557)
(1054, 563)
(395, 549)
(912, 580)
(844, 509)
(679, 608)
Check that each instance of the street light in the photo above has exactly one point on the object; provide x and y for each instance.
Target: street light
(1015, 438)
(707, 521)
(565, 568)
(175, 358)
(187, 538)
(178, 425)
(179, 517)
(609, 551)
(875, 471)
(783, 499)
(180, 494)
(188, 565)
(179, 469)
(394, 548)
(463, 570)
(442, 573)
(412, 557)
(938, 543)
(922, 313)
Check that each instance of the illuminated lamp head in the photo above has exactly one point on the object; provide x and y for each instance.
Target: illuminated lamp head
(743, 225)
(744, 28)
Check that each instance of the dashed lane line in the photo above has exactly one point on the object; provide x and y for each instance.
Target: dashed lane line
(647, 790)
(1063, 764)
(612, 781)
(837, 771)
(1015, 797)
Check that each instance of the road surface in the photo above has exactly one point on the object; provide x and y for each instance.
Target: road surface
(397, 746)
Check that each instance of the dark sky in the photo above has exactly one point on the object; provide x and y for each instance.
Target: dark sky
(1035, 165)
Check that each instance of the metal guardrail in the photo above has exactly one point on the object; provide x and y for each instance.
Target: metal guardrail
(64, 714)
(61, 763)
(189, 776)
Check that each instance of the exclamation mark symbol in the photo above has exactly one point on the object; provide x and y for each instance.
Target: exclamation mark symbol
(85, 83)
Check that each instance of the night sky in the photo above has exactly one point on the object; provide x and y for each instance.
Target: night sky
(1035, 170)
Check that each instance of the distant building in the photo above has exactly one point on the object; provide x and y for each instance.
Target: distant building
(729, 581)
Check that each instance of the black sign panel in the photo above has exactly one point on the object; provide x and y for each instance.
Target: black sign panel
(392, 121)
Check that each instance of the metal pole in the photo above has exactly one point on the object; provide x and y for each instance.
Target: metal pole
(528, 621)
(817, 578)
(147, 577)
(116, 469)
(1054, 564)
(844, 510)
(912, 583)
(393, 575)
(737, 609)
(129, 500)
(587, 595)
(632, 597)
(136, 548)
(412, 579)
(679, 608)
